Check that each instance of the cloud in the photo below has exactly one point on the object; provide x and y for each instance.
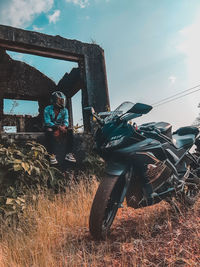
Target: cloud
(37, 29)
(21, 13)
(54, 17)
(190, 47)
(81, 3)
(102, 1)
(172, 79)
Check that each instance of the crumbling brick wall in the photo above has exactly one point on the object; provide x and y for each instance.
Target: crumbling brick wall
(19, 80)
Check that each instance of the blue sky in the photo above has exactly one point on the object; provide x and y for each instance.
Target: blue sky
(151, 47)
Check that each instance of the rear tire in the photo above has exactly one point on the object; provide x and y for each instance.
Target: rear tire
(105, 205)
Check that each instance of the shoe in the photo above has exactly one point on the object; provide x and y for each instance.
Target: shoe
(70, 157)
(53, 159)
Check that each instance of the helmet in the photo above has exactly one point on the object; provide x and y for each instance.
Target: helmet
(58, 99)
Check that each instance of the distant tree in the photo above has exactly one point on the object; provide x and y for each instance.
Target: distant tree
(14, 105)
(93, 41)
(197, 120)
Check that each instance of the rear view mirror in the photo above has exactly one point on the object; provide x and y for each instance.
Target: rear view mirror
(140, 108)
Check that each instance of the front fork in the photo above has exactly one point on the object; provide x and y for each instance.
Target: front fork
(147, 187)
(127, 177)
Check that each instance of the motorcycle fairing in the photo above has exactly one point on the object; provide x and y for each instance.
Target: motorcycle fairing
(176, 156)
(153, 146)
(144, 150)
(118, 167)
(112, 131)
(137, 152)
(173, 154)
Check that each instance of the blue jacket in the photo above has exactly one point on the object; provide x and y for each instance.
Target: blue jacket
(49, 117)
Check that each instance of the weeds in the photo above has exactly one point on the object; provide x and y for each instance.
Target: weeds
(53, 231)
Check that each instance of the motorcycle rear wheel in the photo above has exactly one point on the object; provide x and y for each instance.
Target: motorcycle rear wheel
(105, 206)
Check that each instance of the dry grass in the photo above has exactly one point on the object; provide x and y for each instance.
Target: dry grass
(54, 232)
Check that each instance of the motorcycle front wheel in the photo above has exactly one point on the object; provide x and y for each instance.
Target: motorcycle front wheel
(105, 205)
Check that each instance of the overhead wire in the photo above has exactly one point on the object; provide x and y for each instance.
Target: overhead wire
(176, 96)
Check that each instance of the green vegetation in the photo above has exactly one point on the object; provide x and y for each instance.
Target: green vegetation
(24, 172)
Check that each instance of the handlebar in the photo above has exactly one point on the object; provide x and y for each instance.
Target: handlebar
(99, 120)
(92, 113)
(146, 128)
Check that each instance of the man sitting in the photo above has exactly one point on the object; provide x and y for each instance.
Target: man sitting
(56, 121)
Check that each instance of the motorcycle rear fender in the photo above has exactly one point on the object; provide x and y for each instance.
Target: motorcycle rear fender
(115, 167)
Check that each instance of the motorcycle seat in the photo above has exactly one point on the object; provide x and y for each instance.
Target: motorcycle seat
(187, 130)
(186, 140)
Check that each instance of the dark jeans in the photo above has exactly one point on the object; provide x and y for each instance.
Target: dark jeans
(52, 141)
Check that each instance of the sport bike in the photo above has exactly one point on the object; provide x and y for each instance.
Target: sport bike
(144, 164)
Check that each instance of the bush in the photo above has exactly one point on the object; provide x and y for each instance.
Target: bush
(25, 168)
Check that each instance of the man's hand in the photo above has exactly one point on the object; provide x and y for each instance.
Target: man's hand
(63, 129)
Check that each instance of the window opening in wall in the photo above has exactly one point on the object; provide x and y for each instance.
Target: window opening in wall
(20, 107)
(77, 110)
(51, 67)
(10, 129)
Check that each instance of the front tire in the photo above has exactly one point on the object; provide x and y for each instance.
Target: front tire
(105, 205)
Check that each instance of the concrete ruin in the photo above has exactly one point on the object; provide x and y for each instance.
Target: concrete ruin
(18, 80)
(21, 81)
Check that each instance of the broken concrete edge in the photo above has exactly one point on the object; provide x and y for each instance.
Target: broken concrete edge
(22, 135)
(9, 59)
(25, 38)
(35, 136)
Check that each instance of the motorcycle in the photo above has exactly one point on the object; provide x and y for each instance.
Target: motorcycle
(132, 153)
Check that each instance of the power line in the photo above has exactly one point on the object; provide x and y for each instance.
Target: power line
(170, 100)
(164, 99)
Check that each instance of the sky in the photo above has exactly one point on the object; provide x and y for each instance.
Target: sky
(152, 48)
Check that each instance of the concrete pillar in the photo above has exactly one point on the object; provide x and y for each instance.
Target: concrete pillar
(69, 107)
(95, 93)
(1, 114)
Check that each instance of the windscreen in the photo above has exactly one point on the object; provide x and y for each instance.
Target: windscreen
(123, 108)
